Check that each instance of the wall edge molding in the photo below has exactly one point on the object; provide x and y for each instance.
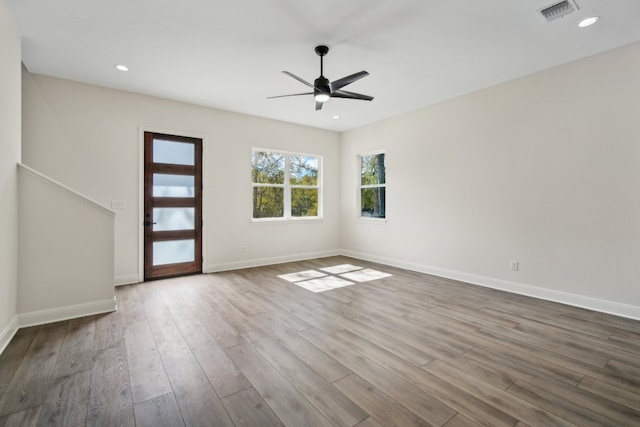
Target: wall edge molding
(8, 333)
(259, 262)
(61, 187)
(126, 279)
(67, 312)
(575, 300)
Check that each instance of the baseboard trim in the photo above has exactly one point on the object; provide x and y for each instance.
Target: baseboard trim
(604, 306)
(259, 262)
(65, 313)
(129, 279)
(8, 332)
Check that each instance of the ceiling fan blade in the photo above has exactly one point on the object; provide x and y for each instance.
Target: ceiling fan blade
(340, 83)
(351, 95)
(293, 94)
(319, 105)
(303, 81)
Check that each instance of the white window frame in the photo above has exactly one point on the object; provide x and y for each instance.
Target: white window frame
(287, 186)
(360, 187)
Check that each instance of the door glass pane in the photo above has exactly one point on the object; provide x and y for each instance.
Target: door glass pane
(173, 251)
(166, 219)
(175, 153)
(173, 185)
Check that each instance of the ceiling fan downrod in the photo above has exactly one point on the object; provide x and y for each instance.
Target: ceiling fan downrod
(322, 88)
(321, 51)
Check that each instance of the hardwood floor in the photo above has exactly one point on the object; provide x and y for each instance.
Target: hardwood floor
(247, 348)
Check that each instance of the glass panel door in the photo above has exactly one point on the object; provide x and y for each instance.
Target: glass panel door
(172, 206)
(165, 185)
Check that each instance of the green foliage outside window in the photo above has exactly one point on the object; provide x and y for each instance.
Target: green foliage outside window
(372, 186)
(304, 172)
(284, 180)
(304, 202)
(268, 202)
(373, 169)
(268, 168)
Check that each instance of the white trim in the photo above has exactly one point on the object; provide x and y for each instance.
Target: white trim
(371, 220)
(142, 130)
(127, 279)
(287, 186)
(65, 313)
(360, 186)
(371, 153)
(604, 306)
(7, 333)
(203, 203)
(60, 186)
(258, 262)
(281, 220)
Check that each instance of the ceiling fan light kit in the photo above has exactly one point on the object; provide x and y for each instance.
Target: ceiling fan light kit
(323, 89)
(322, 96)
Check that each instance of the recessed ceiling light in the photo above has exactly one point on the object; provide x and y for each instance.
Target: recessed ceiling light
(121, 67)
(335, 117)
(588, 21)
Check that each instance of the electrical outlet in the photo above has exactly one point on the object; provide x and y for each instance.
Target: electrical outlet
(515, 265)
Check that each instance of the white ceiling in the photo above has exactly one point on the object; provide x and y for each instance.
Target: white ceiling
(229, 54)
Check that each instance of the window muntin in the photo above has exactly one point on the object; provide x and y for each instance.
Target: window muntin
(285, 185)
(372, 192)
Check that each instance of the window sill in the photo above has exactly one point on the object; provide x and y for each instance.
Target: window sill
(368, 220)
(286, 220)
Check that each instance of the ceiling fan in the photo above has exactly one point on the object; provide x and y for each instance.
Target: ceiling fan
(323, 89)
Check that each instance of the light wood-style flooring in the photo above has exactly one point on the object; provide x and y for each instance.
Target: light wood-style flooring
(247, 348)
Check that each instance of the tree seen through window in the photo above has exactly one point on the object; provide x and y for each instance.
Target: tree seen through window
(285, 185)
(373, 186)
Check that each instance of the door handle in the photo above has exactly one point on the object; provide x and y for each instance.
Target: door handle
(148, 223)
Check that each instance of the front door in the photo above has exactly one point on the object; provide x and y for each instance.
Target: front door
(172, 205)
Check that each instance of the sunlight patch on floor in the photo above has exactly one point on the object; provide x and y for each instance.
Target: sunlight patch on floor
(324, 284)
(342, 268)
(333, 277)
(303, 275)
(365, 275)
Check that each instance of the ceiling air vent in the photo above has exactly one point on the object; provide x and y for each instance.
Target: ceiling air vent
(558, 10)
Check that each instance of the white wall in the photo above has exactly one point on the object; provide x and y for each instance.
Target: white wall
(544, 170)
(88, 138)
(10, 119)
(65, 252)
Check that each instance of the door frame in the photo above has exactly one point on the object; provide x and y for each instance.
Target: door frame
(140, 216)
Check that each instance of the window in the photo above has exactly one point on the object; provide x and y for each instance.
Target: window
(286, 185)
(372, 185)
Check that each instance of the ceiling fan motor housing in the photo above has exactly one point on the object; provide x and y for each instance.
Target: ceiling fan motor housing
(321, 85)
